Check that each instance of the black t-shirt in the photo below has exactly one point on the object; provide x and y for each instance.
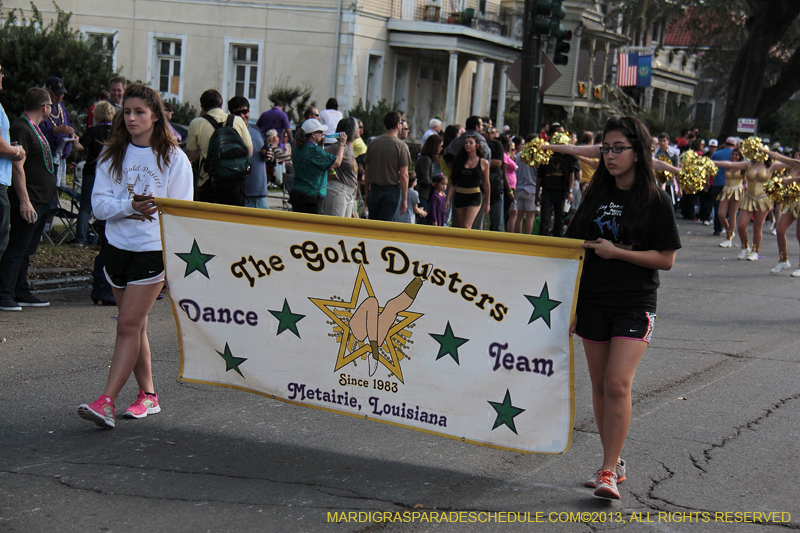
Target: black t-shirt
(41, 183)
(92, 142)
(555, 174)
(616, 283)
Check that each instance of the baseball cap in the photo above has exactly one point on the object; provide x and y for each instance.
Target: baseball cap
(713, 142)
(731, 141)
(56, 85)
(311, 125)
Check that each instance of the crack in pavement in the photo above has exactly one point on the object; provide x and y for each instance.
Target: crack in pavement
(328, 491)
(747, 425)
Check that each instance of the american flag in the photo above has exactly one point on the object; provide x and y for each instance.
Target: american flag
(627, 70)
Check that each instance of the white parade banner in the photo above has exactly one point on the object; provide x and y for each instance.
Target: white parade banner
(457, 333)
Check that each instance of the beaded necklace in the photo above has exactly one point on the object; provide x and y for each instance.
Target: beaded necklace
(48, 158)
(59, 116)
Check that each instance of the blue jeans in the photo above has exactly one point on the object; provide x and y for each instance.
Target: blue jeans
(259, 202)
(383, 202)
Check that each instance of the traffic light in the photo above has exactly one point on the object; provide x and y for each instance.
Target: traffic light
(557, 14)
(561, 52)
(539, 25)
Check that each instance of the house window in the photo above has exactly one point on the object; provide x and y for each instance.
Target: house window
(168, 59)
(105, 42)
(245, 68)
(103, 39)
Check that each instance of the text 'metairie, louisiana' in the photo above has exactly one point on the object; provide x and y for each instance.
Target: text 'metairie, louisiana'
(459, 333)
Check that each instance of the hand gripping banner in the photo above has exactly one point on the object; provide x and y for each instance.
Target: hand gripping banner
(457, 333)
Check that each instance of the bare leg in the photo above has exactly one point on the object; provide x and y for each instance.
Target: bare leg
(733, 208)
(758, 224)
(530, 218)
(512, 221)
(744, 220)
(722, 214)
(597, 359)
(134, 304)
(623, 356)
(784, 223)
(466, 216)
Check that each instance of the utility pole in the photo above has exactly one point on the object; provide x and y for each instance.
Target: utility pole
(531, 64)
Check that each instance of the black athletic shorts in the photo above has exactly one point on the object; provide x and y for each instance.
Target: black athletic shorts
(601, 324)
(462, 200)
(125, 268)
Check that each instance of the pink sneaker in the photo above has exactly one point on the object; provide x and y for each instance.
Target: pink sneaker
(101, 412)
(143, 406)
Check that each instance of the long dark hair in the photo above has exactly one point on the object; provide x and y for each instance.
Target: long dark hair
(432, 146)
(162, 141)
(643, 192)
(461, 159)
(450, 133)
(349, 126)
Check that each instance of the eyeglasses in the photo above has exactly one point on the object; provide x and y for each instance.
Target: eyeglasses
(241, 112)
(615, 149)
(47, 105)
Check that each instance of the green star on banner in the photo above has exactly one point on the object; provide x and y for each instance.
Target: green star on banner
(287, 319)
(448, 343)
(506, 413)
(196, 260)
(542, 306)
(231, 362)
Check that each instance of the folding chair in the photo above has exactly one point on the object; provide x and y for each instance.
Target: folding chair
(68, 217)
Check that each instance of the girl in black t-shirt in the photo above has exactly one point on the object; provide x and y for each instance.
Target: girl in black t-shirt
(629, 230)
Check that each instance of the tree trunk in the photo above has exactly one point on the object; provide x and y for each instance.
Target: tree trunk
(746, 96)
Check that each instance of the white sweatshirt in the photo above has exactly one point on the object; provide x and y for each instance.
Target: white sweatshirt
(112, 196)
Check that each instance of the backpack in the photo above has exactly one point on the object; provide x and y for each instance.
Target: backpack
(227, 162)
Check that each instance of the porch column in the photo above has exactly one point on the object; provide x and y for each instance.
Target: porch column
(452, 82)
(478, 89)
(648, 98)
(501, 96)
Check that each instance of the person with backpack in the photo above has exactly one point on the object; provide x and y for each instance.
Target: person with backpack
(220, 146)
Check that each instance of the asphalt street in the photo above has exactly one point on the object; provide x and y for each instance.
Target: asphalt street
(716, 423)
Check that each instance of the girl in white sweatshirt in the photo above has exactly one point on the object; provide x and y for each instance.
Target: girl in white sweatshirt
(142, 161)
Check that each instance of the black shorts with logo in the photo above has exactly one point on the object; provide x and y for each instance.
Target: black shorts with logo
(601, 324)
(135, 268)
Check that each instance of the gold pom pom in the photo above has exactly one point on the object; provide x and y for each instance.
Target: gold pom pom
(664, 176)
(534, 155)
(774, 187)
(791, 193)
(696, 172)
(561, 138)
(751, 150)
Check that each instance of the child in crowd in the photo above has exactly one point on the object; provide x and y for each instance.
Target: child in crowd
(141, 160)
(437, 209)
(414, 210)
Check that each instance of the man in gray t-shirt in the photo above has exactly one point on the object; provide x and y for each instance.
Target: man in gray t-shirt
(386, 171)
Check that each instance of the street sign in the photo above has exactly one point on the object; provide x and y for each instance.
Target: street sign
(747, 125)
(551, 73)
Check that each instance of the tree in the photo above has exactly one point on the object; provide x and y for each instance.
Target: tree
(295, 99)
(750, 47)
(32, 51)
(372, 116)
(766, 72)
